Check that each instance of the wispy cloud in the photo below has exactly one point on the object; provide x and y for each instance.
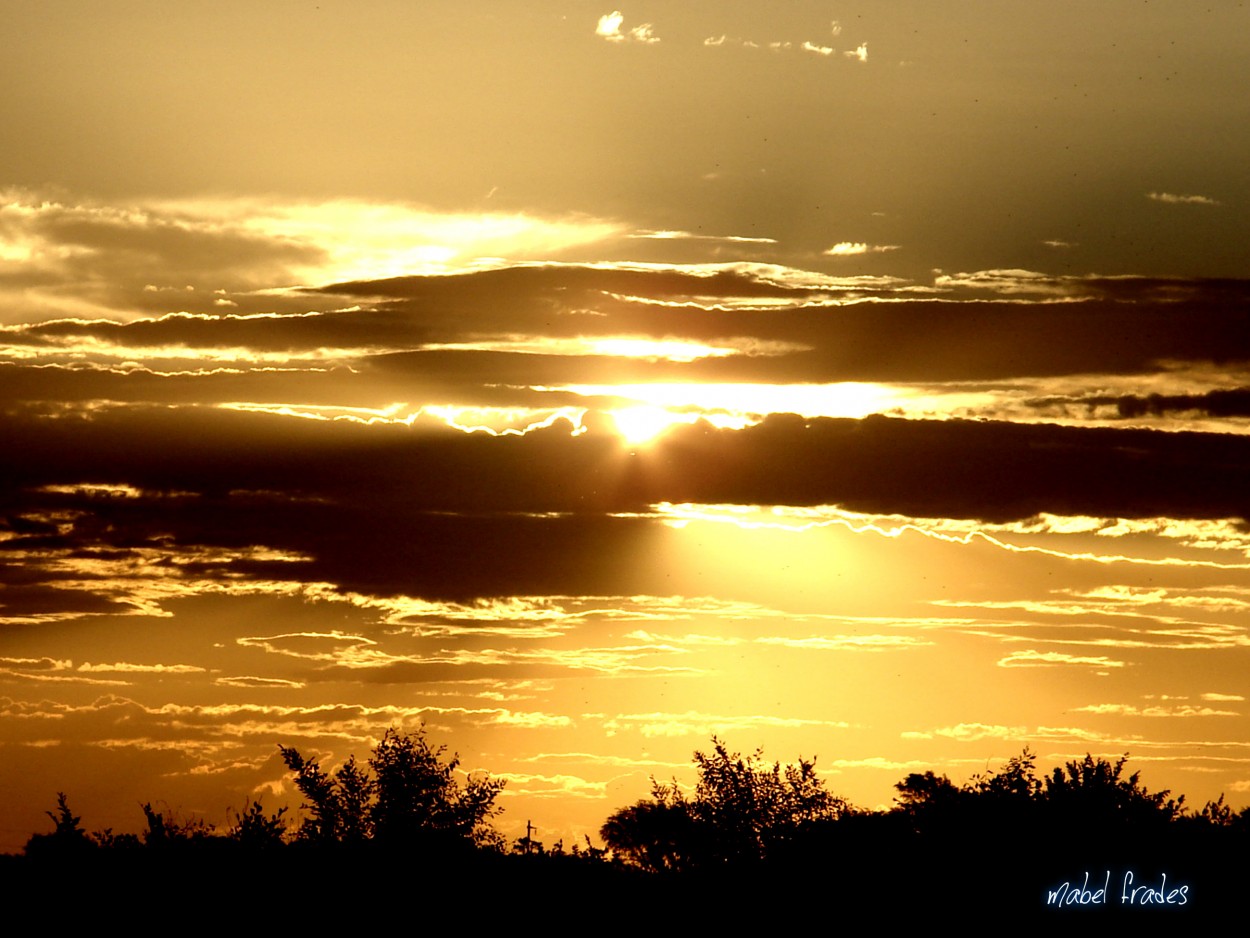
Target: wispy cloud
(971, 732)
(609, 28)
(86, 257)
(694, 723)
(848, 248)
(1170, 198)
(666, 235)
(1131, 710)
(1050, 659)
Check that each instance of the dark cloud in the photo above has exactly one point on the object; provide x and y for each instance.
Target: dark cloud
(1107, 326)
(383, 510)
(1232, 402)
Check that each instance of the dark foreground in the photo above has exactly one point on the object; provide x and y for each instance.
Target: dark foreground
(873, 881)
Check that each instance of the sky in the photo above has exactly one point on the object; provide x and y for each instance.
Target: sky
(867, 381)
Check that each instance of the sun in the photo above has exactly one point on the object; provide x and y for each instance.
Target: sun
(644, 423)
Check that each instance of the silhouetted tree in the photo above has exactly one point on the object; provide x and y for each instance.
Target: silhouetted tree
(338, 804)
(412, 793)
(256, 830)
(657, 835)
(67, 837)
(742, 810)
(926, 793)
(1096, 793)
(171, 831)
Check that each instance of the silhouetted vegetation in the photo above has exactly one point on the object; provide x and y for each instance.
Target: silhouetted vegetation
(407, 793)
(742, 811)
(998, 840)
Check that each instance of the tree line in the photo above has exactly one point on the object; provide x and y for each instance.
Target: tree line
(1001, 834)
(741, 810)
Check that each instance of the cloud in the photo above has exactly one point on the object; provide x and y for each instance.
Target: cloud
(1171, 199)
(694, 723)
(847, 248)
(1130, 710)
(531, 720)
(780, 45)
(1059, 244)
(1223, 697)
(1050, 659)
(552, 786)
(845, 642)
(609, 28)
(132, 668)
(971, 732)
(686, 235)
(82, 257)
(1223, 402)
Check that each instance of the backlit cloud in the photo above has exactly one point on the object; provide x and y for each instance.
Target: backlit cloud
(609, 28)
(971, 732)
(694, 723)
(849, 248)
(1172, 199)
(1050, 659)
(1177, 710)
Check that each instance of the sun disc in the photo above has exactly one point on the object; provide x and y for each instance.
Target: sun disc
(644, 423)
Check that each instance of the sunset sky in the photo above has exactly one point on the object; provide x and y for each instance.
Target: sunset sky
(861, 380)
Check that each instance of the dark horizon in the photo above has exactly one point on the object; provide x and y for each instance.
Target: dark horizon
(868, 382)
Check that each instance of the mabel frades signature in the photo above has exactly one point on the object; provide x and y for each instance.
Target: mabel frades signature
(1130, 893)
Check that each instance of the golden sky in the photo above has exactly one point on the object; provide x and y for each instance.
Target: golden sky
(866, 380)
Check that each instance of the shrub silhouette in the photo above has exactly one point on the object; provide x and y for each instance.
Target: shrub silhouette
(408, 792)
(742, 811)
(256, 830)
(67, 837)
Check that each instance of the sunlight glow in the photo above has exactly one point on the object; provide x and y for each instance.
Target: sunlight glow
(644, 423)
(844, 399)
(624, 346)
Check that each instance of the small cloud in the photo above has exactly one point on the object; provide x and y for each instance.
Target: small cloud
(248, 680)
(1171, 199)
(1228, 697)
(1130, 710)
(1050, 659)
(819, 50)
(848, 248)
(609, 28)
(1059, 244)
(715, 40)
(860, 53)
(836, 28)
(126, 666)
(971, 732)
(667, 235)
(845, 642)
(530, 720)
(643, 33)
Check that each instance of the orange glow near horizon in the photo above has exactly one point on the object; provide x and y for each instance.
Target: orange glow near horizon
(645, 423)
